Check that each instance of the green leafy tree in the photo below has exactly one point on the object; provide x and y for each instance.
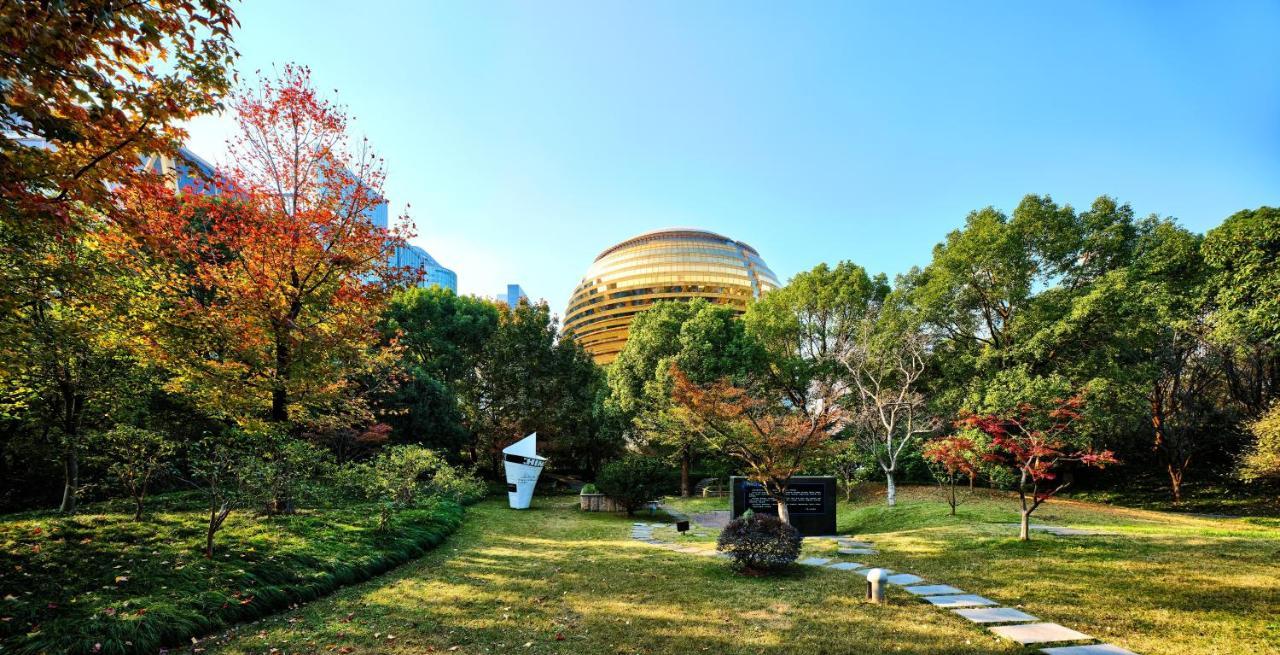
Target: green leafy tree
(216, 465)
(706, 341)
(135, 456)
(806, 326)
(1244, 255)
(61, 354)
(527, 380)
(443, 337)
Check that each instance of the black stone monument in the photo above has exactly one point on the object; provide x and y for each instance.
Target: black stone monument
(811, 501)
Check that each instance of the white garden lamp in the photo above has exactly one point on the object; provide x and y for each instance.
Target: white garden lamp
(523, 467)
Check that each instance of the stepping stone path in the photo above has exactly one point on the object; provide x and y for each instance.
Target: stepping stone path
(933, 590)
(1039, 633)
(960, 600)
(814, 561)
(1006, 622)
(995, 615)
(1096, 649)
(903, 579)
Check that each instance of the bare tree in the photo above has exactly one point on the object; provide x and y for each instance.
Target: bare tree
(885, 360)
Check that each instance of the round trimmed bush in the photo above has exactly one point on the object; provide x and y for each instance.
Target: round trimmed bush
(760, 543)
(633, 481)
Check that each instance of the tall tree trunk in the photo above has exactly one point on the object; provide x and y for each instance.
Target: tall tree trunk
(1175, 481)
(784, 512)
(1024, 523)
(892, 488)
(280, 391)
(685, 465)
(72, 402)
(71, 479)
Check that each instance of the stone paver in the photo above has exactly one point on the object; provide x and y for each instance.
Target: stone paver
(845, 566)
(933, 590)
(904, 579)
(995, 615)
(1038, 633)
(1096, 649)
(872, 568)
(962, 600)
(814, 561)
(848, 543)
(857, 551)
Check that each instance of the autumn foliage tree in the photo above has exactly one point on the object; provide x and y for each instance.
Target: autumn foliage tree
(1038, 444)
(93, 86)
(951, 458)
(266, 290)
(88, 90)
(772, 437)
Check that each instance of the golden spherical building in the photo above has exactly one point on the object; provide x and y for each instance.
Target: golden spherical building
(671, 264)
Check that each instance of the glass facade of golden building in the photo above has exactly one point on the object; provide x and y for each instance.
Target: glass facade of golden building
(672, 264)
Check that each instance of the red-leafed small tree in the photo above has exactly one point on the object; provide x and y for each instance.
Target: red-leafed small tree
(952, 458)
(1038, 444)
(772, 437)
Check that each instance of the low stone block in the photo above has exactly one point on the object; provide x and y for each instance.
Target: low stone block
(903, 579)
(846, 543)
(856, 551)
(962, 600)
(845, 566)
(1096, 649)
(995, 615)
(814, 561)
(933, 590)
(1038, 633)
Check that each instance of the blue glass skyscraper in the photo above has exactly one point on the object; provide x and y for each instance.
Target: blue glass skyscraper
(433, 273)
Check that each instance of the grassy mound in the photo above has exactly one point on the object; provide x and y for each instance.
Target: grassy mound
(98, 582)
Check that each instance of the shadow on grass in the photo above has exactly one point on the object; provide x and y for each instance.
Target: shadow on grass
(555, 580)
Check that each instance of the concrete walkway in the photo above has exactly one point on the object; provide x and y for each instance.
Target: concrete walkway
(1006, 622)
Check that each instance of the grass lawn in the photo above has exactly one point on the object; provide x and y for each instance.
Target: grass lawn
(556, 580)
(99, 582)
(1161, 583)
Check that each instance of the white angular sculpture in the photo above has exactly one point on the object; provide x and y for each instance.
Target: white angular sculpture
(523, 467)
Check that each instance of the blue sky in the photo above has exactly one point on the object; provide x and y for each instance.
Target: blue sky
(528, 136)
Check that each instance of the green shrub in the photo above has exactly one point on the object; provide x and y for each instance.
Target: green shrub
(1262, 460)
(402, 476)
(634, 480)
(760, 543)
(134, 457)
(459, 485)
(589, 488)
(284, 473)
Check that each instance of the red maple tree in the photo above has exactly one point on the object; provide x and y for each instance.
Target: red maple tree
(271, 280)
(1039, 445)
(953, 457)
